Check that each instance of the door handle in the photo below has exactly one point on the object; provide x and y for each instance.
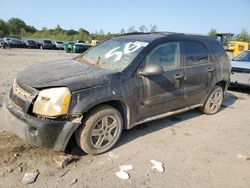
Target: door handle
(178, 76)
(210, 69)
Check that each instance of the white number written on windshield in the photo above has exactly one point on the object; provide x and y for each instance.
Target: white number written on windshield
(129, 48)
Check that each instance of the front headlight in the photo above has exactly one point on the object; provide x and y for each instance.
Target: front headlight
(52, 102)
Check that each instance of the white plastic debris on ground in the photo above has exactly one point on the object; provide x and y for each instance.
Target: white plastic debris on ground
(157, 165)
(240, 156)
(30, 177)
(112, 156)
(122, 174)
(126, 167)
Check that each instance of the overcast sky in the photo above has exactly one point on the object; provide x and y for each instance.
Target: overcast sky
(190, 16)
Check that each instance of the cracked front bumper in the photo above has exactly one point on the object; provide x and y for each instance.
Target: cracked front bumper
(52, 134)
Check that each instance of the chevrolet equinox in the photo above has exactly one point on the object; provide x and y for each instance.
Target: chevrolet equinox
(122, 82)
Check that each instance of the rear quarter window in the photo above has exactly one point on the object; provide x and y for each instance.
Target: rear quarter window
(196, 53)
(217, 49)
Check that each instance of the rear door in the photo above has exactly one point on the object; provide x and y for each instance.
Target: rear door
(164, 92)
(199, 72)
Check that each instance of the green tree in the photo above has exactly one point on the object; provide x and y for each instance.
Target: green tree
(72, 32)
(4, 31)
(23, 32)
(18, 23)
(101, 32)
(58, 29)
(30, 29)
(83, 31)
(212, 33)
(15, 26)
(44, 28)
(243, 36)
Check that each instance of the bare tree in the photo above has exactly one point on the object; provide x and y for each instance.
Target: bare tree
(143, 28)
(101, 32)
(122, 31)
(153, 28)
(131, 29)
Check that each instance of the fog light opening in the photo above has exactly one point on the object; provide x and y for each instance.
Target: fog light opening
(33, 131)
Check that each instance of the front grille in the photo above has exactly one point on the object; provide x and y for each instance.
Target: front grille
(22, 95)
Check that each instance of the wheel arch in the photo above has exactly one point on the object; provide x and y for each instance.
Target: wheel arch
(121, 106)
(222, 84)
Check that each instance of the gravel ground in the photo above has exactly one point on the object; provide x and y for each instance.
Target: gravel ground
(197, 150)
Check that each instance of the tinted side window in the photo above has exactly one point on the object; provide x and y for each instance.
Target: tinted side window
(196, 53)
(167, 55)
(217, 49)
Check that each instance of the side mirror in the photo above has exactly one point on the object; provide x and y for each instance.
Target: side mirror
(151, 69)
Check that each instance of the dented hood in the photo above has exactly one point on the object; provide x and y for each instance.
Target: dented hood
(69, 73)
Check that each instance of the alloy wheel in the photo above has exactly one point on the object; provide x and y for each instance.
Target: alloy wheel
(104, 132)
(216, 100)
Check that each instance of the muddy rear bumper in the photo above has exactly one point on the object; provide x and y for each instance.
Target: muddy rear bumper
(46, 133)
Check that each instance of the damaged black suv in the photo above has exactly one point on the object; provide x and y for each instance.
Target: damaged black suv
(120, 83)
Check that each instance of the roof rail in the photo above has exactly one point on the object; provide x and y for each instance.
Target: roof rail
(167, 32)
(164, 33)
(155, 32)
(136, 33)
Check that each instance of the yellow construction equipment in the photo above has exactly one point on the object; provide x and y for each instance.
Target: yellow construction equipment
(233, 47)
(94, 42)
(236, 47)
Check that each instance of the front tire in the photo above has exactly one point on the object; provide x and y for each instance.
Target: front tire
(214, 101)
(100, 131)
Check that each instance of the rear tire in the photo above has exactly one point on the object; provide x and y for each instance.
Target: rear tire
(100, 131)
(214, 101)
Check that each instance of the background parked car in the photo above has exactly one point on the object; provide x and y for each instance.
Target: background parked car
(14, 42)
(240, 74)
(68, 46)
(38, 43)
(58, 45)
(79, 42)
(3, 44)
(45, 44)
(23, 41)
(30, 43)
(77, 47)
(80, 48)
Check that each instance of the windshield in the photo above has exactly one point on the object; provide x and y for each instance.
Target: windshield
(244, 56)
(114, 54)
